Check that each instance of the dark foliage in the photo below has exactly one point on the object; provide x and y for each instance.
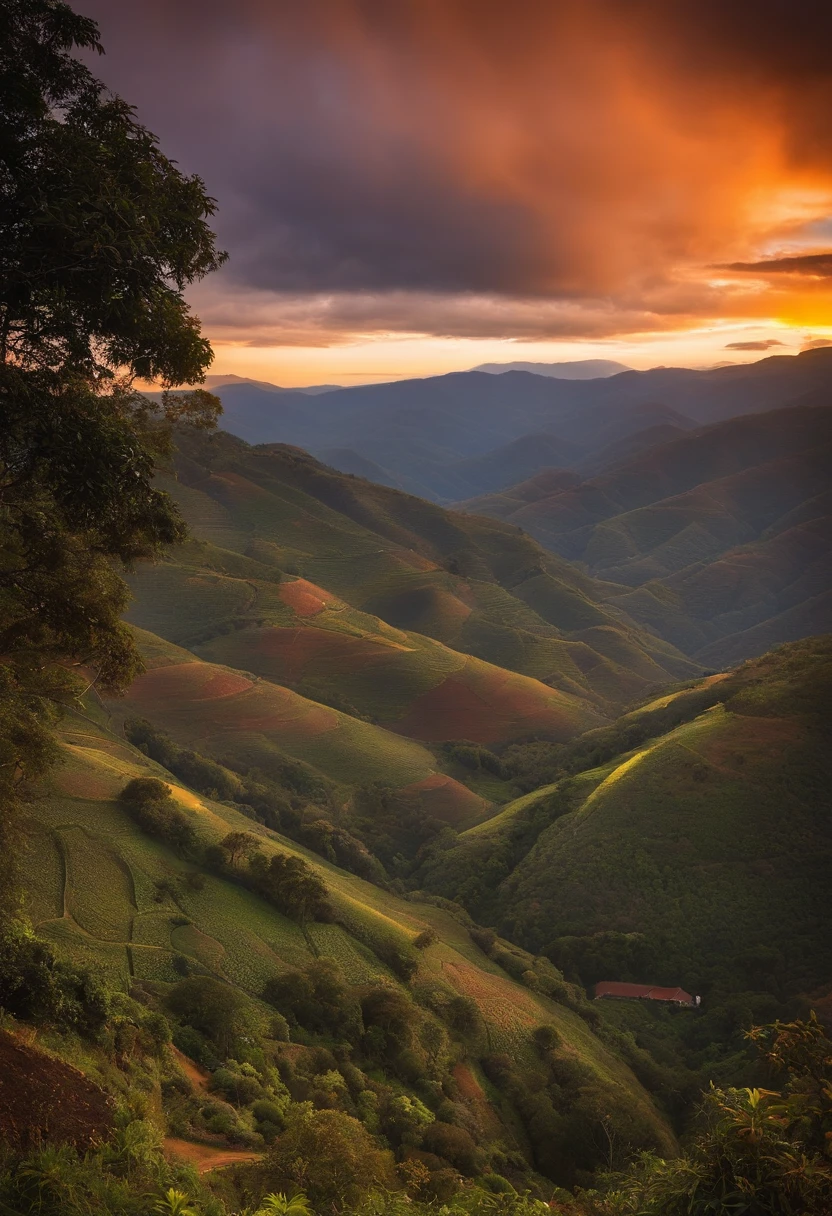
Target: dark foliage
(148, 801)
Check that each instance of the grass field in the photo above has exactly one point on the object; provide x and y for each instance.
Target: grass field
(122, 902)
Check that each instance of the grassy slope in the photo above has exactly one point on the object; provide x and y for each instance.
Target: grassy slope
(710, 841)
(717, 533)
(225, 713)
(294, 633)
(92, 887)
(477, 586)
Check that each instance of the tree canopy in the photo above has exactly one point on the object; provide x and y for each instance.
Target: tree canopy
(100, 233)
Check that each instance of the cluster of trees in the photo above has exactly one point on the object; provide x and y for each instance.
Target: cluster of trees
(148, 801)
(757, 1151)
(298, 809)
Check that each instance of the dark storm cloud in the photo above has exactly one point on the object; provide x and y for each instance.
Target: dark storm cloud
(817, 264)
(583, 151)
(762, 344)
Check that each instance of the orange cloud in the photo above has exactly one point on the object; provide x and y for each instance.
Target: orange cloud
(473, 168)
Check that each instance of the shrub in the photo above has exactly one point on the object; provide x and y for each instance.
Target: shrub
(331, 1157)
(216, 1010)
(36, 986)
(292, 886)
(453, 1143)
(316, 998)
(235, 1087)
(545, 1038)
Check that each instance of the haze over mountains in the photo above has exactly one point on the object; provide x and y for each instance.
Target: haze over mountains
(417, 433)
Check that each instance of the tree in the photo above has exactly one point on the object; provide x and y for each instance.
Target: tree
(760, 1152)
(330, 1156)
(316, 998)
(99, 235)
(214, 1009)
(238, 844)
(149, 802)
(292, 886)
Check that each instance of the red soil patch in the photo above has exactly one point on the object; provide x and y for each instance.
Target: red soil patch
(474, 1095)
(486, 706)
(44, 1100)
(469, 1087)
(446, 798)
(291, 652)
(210, 697)
(305, 599)
(223, 684)
(207, 1157)
(500, 999)
(188, 681)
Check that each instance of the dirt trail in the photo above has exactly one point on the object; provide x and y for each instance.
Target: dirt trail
(197, 1076)
(207, 1156)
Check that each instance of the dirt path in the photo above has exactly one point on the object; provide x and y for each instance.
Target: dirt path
(197, 1076)
(207, 1156)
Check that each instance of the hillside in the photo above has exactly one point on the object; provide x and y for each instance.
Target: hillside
(722, 535)
(387, 569)
(687, 844)
(294, 633)
(107, 894)
(423, 432)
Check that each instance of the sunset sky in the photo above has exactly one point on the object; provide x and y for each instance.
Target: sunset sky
(409, 187)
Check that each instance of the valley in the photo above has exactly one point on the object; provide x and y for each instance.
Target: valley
(414, 783)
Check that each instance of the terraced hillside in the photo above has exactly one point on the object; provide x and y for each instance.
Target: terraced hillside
(687, 844)
(105, 893)
(722, 537)
(385, 570)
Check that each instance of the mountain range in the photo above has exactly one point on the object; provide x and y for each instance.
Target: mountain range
(422, 435)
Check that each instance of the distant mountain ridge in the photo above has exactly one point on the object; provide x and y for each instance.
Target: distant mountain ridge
(419, 432)
(719, 540)
(576, 369)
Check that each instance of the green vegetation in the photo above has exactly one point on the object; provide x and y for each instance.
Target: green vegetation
(758, 1151)
(240, 929)
(686, 845)
(81, 316)
(717, 540)
(375, 558)
(209, 940)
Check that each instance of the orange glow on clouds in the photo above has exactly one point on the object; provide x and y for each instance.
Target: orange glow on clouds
(421, 186)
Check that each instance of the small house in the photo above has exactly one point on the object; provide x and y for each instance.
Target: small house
(643, 992)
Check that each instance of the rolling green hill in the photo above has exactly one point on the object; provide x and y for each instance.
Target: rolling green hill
(295, 633)
(389, 565)
(232, 716)
(721, 536)
(106, 894)
(687, 844)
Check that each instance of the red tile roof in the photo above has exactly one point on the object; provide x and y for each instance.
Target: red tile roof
(643, 992)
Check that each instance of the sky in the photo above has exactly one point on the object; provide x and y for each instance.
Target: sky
(411, 187)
